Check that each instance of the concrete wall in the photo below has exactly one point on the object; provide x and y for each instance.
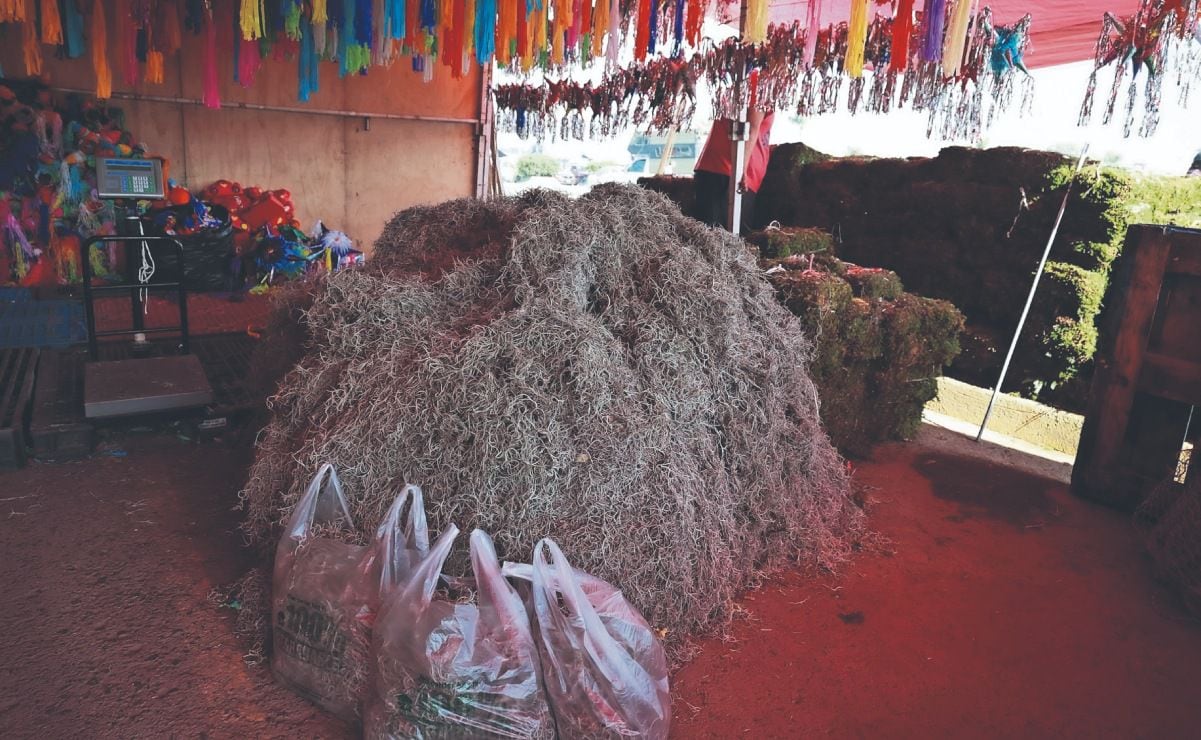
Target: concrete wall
(352, 171)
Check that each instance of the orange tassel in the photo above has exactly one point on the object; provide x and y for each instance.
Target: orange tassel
(600, 26)
(12, 11)
(33, 52)
(52, 24)
(104, 75)
(154, 67)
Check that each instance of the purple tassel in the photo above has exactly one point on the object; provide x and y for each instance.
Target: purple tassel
(934, 18)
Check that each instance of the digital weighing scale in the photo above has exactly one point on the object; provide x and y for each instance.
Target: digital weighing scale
(148, 384)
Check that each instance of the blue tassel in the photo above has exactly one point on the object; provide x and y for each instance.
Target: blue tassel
(363, 22)
(429, 14)
(485, 30)
(679, 29)
(309, 70)
(394, 12)
(73, 30)
(345, 37)
(654, 26)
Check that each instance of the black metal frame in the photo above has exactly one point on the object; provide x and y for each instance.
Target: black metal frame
(134, 289)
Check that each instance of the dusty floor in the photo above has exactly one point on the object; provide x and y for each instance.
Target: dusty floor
(1005, 608)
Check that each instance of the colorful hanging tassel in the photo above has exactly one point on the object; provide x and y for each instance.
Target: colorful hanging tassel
(485, 30)
(856, 39)
(127, 42)
(104, 75)
(52, 25)
(643, 35)
(653, 28)
(902, 30)
(756, 21)
(956, 40)
(614, 46)
(212, 87)
(12, 11)
(154, 68)
(934, 18)
(73, 31)
(31, 48)
(813, 23)
(250, 19)
(309, 72)
(506, 29)
(394, 19)
(248, 63)
(167, 37)
(600, 27)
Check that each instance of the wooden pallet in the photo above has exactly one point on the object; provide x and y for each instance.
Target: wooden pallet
(17, 370)
(1148, 373)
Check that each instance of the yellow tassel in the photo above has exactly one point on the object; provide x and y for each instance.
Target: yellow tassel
(251, 19)
(154, 67)
(104, 75)
(12, 11)
(52, 25)
(320, 11)
(756, 21)
(952, 53)
(33, 52)
(856, 39)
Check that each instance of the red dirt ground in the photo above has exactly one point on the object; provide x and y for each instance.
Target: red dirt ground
(1006, 608)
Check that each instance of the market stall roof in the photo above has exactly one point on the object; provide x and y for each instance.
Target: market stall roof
(1062, 31)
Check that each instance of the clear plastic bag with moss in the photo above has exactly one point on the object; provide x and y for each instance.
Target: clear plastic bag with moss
(455, 657)
(604, 667)
(326, 591)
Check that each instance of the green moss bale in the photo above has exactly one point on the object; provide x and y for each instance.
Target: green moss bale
(788, 241)
(873, 282)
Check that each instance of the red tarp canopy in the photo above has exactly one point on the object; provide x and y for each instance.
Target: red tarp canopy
(1062, 31)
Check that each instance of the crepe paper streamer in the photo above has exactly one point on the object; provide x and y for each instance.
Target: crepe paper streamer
(212, 88)
(52, 24)
(902, 30)
(309, 72)
(154, 67)
(250, 19)
(104, 75)
(642, 37)
(934, 17)
(73, 31)
(12, 11)
(856, 39)
(813, 22)
(30, 46)
(952, 54)
(755, 31)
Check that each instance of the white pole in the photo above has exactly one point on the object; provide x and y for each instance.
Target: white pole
(738, 136)
(1030, 298)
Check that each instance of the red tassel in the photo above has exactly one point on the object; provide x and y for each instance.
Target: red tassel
(902, 29)
(642, 40)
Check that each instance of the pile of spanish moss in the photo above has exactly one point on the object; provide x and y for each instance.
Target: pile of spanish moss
(603, 371)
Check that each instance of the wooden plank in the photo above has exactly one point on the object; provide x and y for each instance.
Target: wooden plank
(1186, 255)
(1135, 296)
(1171, 377)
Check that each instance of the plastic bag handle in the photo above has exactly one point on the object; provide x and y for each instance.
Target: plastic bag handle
(423, 581)
(302, 517)
(414, 535)
(597, 639)
(492, 588)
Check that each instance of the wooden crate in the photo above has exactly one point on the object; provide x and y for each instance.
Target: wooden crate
(1148, 373)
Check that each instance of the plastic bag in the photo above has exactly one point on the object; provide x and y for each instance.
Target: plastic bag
(604, 668)
(446, 668)
(325, 593)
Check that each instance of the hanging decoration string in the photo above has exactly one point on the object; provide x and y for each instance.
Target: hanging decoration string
(52, 25)
(756, 21)
(856, 39)
(935, 16)
(952, 55)
(902, 30)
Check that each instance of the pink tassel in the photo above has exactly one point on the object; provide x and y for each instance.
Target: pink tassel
(249, 62)
(212, 90)
(614, 31)
(812, 26)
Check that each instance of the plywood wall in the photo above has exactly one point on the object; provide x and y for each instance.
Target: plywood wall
(351, 171)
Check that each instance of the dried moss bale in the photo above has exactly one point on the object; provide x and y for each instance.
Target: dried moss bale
(787, 241)
(618, 377)
(877, 356)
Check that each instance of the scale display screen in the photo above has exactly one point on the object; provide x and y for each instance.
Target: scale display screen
(141, 179)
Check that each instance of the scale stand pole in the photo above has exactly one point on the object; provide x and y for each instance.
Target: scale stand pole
(738, 137)
(1030, 298)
